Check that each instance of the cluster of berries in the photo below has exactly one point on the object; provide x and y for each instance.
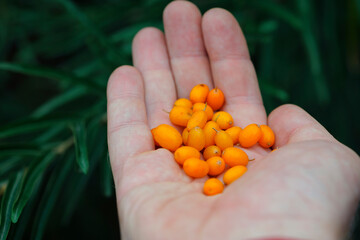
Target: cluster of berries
(212, 133)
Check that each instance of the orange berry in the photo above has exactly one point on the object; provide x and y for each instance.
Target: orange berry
(215, 99)
(185, 152)
(233, 173)
(185, 135)
(196, 138)
(267, 138)
(234, 156)
(199, 93)
(223, 140)
(250, 135)
(195, 167)
(180, 115)
(152, 133)
(216, 165)
(167, 137)
(204, 107)
(224, 119)
(183, 102)
(213, 186)
(210, 133)
(212, 151)
(234, 133)
(198, 119)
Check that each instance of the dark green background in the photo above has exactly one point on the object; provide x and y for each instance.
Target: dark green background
(56, 56)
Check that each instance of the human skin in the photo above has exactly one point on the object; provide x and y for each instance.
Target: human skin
(307, 189)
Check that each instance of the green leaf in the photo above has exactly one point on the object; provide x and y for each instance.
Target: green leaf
(128, 33)
(107, 181)
(77, 182)
(30, 125)
(19, 148)
(59, 100)
(52, 74)
(81, 146)
(7, 203)
(274, 91)
(312, 49)
(278, 11)
(103, 47)
(47, 135)
(32, 178)
(12, 164)
(27, 216)
(55, 120)
(52, 191)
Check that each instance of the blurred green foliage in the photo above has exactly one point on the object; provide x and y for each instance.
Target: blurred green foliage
(56, 56)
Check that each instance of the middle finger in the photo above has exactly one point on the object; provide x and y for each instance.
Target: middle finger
(188, 58)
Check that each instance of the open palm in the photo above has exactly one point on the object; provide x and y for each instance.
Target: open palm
(307, 189)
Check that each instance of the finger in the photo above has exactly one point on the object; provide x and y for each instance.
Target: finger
(232, 68)
(151, 58)
(189, 62)
(128, 132)
(291, 123)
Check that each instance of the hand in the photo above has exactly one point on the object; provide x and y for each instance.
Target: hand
(307, 189)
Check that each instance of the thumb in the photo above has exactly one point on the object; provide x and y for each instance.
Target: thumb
(291, 123)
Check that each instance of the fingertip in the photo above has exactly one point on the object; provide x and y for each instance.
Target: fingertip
(217, 13)
(281, 110)
(179, 6)
(143, 34)
(291, 123)
(124, 79)
(223, 35)
(149, 50)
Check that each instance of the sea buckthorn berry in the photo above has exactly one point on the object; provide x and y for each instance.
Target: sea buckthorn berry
(199, 93)
(183, 102)
(185, 135)
(250, 135)
(223, 139)
(267, 138)
(211, 151)
(180, 115)
(196, 138)
(224, 119)
(167, 137)
(216, 166)
(203, 107)
(234, 133)
(185, 152)
(215, 99)
(234, 156)
(234, 173)
(196, 168)
(210, 133)
(213, 186)
(152, 133)
(198, 119)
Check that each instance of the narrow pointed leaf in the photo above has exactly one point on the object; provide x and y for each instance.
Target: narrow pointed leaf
(7, 203)
(49, 73)
(29, 124)
(97, 143)
(50, 196)
(32, 178)
(278, 11)
(81, 146)
(274, 91)
(59, 100)
(107, 181)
